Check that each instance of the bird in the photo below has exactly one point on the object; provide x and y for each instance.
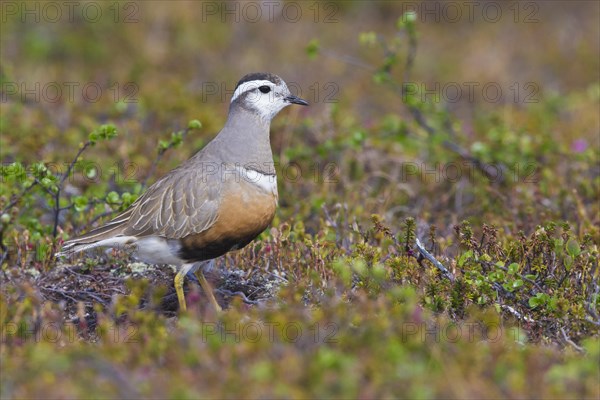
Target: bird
(217, 201)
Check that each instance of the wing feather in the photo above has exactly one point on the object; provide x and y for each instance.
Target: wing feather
(167, 210)
(181, 203)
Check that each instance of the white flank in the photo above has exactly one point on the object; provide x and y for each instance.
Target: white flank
(266, 182)
(156, 250)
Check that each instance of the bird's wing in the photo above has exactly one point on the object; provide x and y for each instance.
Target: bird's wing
(181, 203)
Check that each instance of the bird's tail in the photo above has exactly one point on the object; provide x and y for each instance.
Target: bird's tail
(109, 235)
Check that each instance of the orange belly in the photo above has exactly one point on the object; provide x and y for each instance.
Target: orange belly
(245, 211)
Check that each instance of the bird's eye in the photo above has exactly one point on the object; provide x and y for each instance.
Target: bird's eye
(264, 89)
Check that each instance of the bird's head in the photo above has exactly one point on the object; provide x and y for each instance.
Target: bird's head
(263, 94)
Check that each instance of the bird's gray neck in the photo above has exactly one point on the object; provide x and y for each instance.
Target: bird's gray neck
(245, 140)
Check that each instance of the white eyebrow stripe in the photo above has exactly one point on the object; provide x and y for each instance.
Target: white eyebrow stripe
(244, 87)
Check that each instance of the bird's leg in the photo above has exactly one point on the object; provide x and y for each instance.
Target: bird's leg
(179, 279)
(208, 289)
(179, 289)
(191, 276)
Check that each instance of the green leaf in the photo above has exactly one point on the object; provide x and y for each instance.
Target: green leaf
(104, 132)
(107, 131)
(312, 49)
(127, 198)
(5, 219)
(93, 137)
(573, 248)
(381, 77)
(176, 138)
(464, 257)
(513, 268)
(163, 145)
(558, 246)
(534, 302)
(90, 172)
(80, 203)
(539, 300)
(367, 38)
(194, 124)
(479, 148)
(13, 171)
(568, 262)
(407, 20)
(517, 283)
(112, 197)
(46, 182)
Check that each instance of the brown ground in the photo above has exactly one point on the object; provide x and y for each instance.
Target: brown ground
(80, 287)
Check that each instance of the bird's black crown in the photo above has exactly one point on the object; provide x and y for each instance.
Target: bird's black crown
(259, 76)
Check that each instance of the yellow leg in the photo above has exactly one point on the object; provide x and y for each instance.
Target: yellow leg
(179, 289)
(208, 290)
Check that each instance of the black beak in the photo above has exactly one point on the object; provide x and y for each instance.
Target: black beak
(296, 100)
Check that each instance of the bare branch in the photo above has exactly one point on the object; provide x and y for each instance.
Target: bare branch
(432, 259)
(570, 342)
